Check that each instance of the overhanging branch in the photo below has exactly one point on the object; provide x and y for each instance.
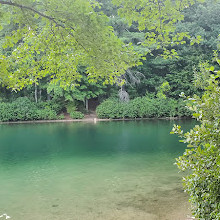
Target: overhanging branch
(14, 4)
(27, 8)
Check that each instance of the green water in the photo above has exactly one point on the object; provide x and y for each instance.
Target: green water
(85, 171)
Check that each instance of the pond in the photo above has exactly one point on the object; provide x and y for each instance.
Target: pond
(84, 171)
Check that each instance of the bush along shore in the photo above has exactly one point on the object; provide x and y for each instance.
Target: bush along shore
(23, 109)
(142, 107)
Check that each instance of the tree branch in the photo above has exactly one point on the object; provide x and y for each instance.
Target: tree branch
(27, 8)
(42, 15)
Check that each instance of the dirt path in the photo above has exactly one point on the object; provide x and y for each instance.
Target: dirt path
(88, 117)
(91, 116)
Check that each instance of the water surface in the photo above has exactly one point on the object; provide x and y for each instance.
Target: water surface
(84, 171)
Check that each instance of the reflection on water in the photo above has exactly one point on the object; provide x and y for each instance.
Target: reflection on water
(76, 171)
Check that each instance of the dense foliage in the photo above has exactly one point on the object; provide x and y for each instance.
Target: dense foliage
(142, 107)
(72, 110)
(29, 63)
(23, 109)
(76, 115)
(51, 39)
(202, 158)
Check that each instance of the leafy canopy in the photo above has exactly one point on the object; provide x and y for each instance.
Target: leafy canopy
(54, 37)
(158, 19)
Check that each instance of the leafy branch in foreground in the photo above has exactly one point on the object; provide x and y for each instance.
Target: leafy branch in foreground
(202, 158)
(53, 38)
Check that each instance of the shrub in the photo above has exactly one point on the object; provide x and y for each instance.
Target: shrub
(22, 109)
(71, 107)
(165, 107)
(182, 109)
(61, 117)
(46, 114)
(141, 107)
(202, 158)
(136, 108)
(56, 105)
(76, 115)
(7, 112)
(110, 108)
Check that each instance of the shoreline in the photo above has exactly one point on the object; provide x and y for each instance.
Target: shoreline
(90, 119)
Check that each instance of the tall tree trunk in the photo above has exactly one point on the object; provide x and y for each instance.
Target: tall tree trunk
(48, 97)
(87, 104)
(35, 93)
(40, 92)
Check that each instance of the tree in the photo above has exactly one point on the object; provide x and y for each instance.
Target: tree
(83, 92)
(54, 38)
(158, 19)
(202, 159)
(199, 20)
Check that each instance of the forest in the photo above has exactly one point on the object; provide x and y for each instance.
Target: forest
(122, 59)
(163, 71)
